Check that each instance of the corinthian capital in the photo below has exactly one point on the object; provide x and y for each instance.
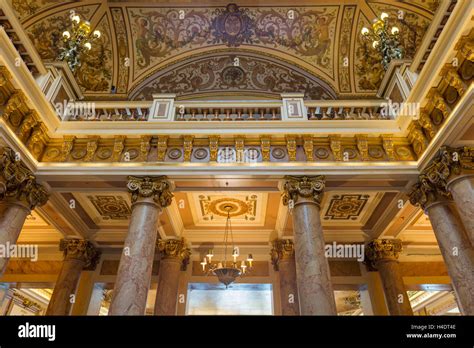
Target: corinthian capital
(174, 248)
(382, 250)
(79, 249)
(303, 188)
(283, 249)
(425, 192)
(17, 182)
(158, 188)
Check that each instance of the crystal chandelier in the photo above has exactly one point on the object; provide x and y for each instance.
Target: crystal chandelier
(227, 271)
(384, 39)
(76, 41)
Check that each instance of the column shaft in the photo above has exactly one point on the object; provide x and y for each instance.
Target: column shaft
(462, 190)
(61, 302)
(168, 283)
(288, 288)
(394, 289)
(11, 223)
(315, 291)
(78, 255)
(457, 252)
(134, 273)
(312, 268)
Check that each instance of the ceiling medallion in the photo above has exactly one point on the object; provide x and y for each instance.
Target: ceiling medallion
(228, 206)
(232, 26)
(227, 271)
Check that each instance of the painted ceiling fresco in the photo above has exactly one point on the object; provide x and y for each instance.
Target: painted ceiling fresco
(264, 50)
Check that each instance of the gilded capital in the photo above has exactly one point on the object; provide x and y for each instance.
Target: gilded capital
(382, 250)
(303, 188)
(174, 248)
(424, 193)
(432, 185)
(158, 188)
(17, 182)
(80, 249)
(283, 249)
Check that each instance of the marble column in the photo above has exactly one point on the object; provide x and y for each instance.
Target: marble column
(174, 259)
(303, 196)
(19, 195)
(462, 190)
(452, 238)
(453, 170)
(283, 260)
(382, 255)
(78, 255)
(149, 196)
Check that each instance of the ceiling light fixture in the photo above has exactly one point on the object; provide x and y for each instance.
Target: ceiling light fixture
(384, 39)
(227, 271)
(76, 41)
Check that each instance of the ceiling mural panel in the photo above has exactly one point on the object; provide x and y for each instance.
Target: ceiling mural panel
(217, 72)
(139, 42)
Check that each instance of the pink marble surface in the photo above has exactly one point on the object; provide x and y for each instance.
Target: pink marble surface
(11, 223)
(462, 190)
(394, 288)
(61, 302)
(134, 273)
(316, 294)
(288, 287)
(457, 252)
(168, 283)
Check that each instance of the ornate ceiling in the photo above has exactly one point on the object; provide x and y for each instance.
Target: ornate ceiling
(240, 49)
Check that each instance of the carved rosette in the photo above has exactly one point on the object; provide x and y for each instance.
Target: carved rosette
(174, 248)
(80, 249)
(158, 188)
(17, 182)
(303, 188)
(382, 250)
(283, 249)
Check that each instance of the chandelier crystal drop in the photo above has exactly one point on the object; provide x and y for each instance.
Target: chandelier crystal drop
(384, 39)
(77, 40)
(227, 271)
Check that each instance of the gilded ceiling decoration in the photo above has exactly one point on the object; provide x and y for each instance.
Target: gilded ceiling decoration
(346, 207)
(111, 207)
(141, 41)
(221, 206)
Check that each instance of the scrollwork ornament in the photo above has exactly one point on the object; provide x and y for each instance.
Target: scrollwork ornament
(381, 250)
(308, 188)
(174, 248)
(18, 182)
(82, 250)
(283, 249)
(157, 188)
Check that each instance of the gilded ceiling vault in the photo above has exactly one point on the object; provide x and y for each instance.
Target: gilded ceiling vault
(140, 42)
